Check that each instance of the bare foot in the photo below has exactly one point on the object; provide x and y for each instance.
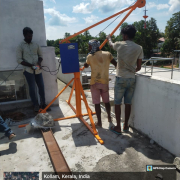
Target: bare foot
(12, 136)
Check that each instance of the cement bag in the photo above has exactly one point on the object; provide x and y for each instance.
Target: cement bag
(43, 120)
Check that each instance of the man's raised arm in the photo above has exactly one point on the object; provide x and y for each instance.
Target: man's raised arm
(110, 41)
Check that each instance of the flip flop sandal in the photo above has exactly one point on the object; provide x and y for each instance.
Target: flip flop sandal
(125, 130)
(12, 136)
(112, 129)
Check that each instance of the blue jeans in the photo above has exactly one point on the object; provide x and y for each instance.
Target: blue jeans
(32, 80)
(4, 128)
(124, 87)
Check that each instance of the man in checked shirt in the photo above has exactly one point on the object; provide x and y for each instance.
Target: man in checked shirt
(29, 55)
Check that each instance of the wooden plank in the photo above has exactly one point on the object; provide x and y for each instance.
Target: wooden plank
(59, 163)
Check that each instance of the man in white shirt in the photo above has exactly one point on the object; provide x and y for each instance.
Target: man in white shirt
(129, 55)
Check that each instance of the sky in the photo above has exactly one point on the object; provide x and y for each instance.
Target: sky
(72, 16)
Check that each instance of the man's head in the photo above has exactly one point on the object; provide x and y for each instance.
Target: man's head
(93, 46)
(28, 34)
(128, 32)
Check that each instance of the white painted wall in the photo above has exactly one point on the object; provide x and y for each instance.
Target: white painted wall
(50, 81)
(14, 16)
(156, 111)
(65, 77)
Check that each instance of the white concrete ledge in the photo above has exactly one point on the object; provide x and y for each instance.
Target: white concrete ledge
(155, 110)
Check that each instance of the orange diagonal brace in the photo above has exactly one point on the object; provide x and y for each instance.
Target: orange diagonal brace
(44, 110)
(68, 117)
(71, 92)
(88, 110)
(139, 4)
(105, 41)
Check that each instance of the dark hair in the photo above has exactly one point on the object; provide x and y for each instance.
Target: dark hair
(27, 30)
(129, 30)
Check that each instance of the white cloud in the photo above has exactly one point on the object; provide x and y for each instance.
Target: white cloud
(158, 6)
(103, 6)
(81, 8)
(162, 6)
(53, 1)
(58, 19)
(91, 19)
(174, 6)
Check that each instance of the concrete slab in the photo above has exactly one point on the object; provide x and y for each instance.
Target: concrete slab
(26, 152)
(130, 152)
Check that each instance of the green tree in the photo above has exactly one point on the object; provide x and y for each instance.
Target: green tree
(172, 35)
(50, 42)
(147, 38)
(87, 34)
(66, 35)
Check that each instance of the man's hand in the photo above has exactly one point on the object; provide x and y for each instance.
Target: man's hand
(109, 40)
(33, 67)
(39, 64)
(86, 65)
(108, 37)
(40, 59)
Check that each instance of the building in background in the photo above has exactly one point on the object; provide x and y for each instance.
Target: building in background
(157, 52)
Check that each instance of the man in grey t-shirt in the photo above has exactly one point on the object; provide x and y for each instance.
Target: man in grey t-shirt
(129, 55)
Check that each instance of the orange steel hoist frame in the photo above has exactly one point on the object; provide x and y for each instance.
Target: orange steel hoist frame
(77, 83)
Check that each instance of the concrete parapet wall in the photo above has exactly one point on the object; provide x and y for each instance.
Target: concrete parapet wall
(50, 80)
(156, 111)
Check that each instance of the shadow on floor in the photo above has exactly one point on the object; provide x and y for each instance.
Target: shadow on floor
(12, 149)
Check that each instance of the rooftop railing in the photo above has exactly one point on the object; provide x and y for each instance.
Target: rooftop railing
(152, 59)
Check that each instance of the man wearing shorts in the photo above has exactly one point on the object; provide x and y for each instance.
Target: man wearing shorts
(99, 62)
(129, 56)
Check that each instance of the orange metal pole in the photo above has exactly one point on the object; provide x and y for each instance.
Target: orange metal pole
(87, 125)
(44, 110)
(70, 37)
(105, 41)
(22, 125)
(88, 110)
(71, 107)
(68, 117)
(139, 4)
(88, 114)
(78, 93)
(71, 92)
